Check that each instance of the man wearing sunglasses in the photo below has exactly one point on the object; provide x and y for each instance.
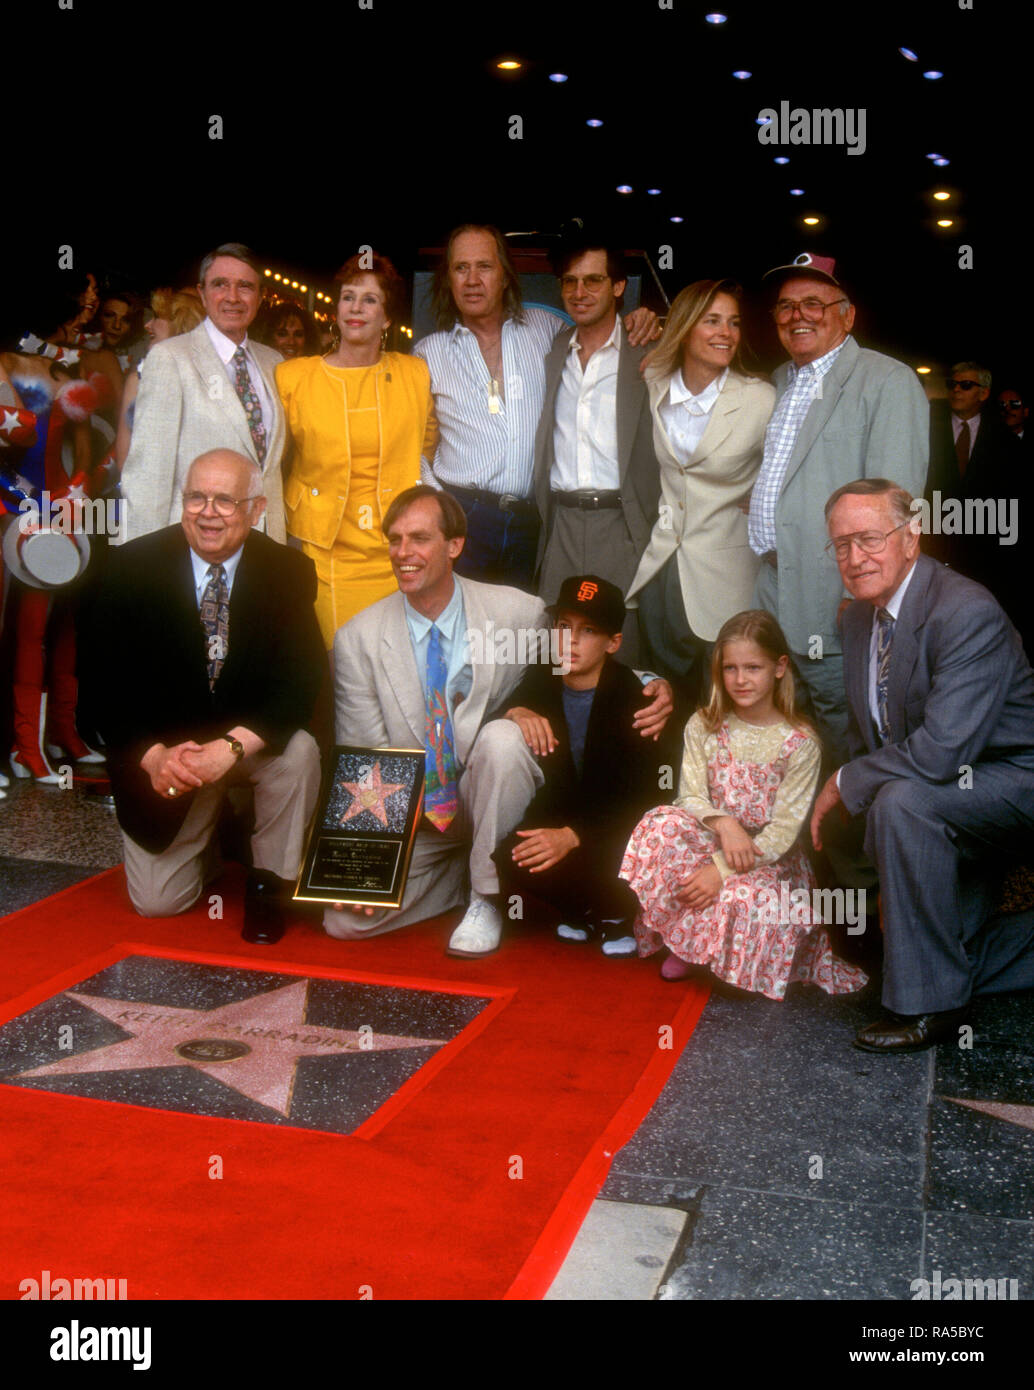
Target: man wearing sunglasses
(975, 457)
(941, 766)
(842, 412)
(206, 659)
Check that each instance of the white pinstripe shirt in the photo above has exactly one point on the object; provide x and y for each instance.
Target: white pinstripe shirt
(803, 385)
(478, 448)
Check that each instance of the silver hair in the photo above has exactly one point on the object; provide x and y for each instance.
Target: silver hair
(974, 371)
(900, 498)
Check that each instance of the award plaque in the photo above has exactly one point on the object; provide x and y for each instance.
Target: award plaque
(362, 836)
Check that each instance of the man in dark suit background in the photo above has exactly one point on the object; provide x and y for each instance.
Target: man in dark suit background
(206, 661)
(941, 738)
(596, 479)
(973, 454)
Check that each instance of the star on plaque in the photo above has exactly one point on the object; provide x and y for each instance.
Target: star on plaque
(370, 793)
(251, 1046)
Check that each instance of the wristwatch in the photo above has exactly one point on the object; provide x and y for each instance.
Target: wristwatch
(235, 744)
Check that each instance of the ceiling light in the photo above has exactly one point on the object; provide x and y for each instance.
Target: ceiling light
(676, 219)
(907, 53)
(932, 75)
(945, 222)
(653, 192)
(558, 77)
(781, 159)
(942, 197)
(811, 221)
(742, 74)
(508, 65)
(624, 188)
(716, 18)
(594, 123)
(267, 272)
(923, 371)
(796, 192)
(942, 163)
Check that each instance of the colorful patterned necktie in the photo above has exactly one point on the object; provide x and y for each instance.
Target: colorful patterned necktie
(250, 402)
(440, 795)
(884, 638)
(215, 619)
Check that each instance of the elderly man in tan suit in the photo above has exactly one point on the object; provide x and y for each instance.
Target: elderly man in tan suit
(212, 388)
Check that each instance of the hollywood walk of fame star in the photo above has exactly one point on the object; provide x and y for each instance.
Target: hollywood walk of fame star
(251, 1046)
(1022, 1115)
(370, 794)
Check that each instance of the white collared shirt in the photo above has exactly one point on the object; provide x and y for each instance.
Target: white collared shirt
(201, 567)
(225, 348)
(974, 425)
(451, 623)
(893, 607)
(685, 417)
(585, 430)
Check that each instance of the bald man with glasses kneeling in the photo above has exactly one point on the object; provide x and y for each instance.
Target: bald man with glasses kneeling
(206, 661)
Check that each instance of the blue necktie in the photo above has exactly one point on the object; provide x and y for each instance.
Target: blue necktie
(440, 791)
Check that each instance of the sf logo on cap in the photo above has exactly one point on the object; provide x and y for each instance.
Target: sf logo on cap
(587, 591)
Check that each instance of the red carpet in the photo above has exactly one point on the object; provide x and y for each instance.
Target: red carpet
(470, 1183)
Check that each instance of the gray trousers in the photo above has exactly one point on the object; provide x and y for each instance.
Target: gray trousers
(936, 848)
(587, 542)
(823, 679)
(286, 786)
(498, 782)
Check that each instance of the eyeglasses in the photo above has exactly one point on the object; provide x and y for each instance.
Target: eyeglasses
(591, 282)
(963, 383)
(1010, 405)
(872, 542)
(812, 309)
(195, 502)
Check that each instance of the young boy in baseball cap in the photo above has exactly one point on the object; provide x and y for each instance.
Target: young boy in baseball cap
(600, 775)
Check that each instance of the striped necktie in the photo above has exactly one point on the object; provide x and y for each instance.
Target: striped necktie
(440, 791)
(884, 639)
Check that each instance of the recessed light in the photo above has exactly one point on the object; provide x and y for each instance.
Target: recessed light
(811, 221)
(742, 74)
(594, 123)
(781, 159)
(907, 53)
(942, 163)
(508, 65)
(945, 222)
(763, 120)
(932, 75)
(558, 77)
(796, 192)
(942, 197)
(676, 219)
(923, 371)
(653, 192)
(624, 188)
(716, 18)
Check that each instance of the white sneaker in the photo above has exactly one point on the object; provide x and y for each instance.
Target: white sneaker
(5, 781)
(480, 931)
(572, 933)
(615, 942)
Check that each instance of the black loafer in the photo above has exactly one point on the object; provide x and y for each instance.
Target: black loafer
(911, 1034)
(263, 908)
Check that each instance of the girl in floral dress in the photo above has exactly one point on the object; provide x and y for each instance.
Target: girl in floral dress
(720, 877)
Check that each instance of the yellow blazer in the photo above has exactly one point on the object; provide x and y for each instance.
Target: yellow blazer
(316, 492)
(699, 514)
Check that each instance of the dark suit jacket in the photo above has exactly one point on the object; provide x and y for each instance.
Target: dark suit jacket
(960, 692)
(149, 664)
(996, 469)
(619, 779)
(640, 477)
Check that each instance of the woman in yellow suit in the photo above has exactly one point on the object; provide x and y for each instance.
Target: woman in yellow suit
(359, 420)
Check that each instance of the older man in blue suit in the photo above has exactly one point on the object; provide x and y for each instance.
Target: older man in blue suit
(941, 736)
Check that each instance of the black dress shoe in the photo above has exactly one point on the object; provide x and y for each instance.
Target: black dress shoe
(911, 1034)
(264, 899)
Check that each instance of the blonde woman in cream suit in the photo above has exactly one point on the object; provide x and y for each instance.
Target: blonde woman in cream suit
(709, 421)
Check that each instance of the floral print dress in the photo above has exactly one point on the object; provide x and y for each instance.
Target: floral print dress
(762, 932)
